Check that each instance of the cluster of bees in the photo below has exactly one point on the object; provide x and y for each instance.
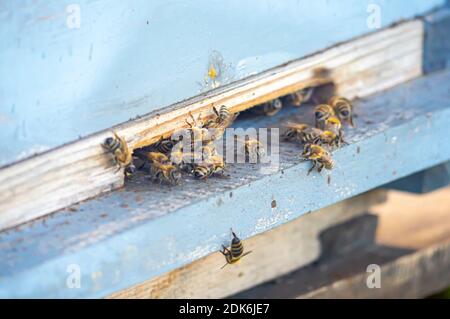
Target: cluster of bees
(319, 141)
(274, 106)
(190, 150)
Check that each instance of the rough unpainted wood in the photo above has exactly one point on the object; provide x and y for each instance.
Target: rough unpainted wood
(274, 253)
(81, 170)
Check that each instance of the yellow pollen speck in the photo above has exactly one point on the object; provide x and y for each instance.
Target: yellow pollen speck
(212, 73)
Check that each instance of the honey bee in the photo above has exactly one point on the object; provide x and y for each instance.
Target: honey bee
(236, 251)
(163, 145)
(186, 161)
(224, 118)
(158, 157)
(253, 148)
(118, 147)
(307, 134)
(333, 124)
(318, 156)
(322, 112)
(343, 109)
(162, 169)
(196, 134)
(213, 165)
(269, 108)
(301, 96)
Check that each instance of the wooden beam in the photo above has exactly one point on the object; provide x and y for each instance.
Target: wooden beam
(81, 170)
(408, 237)
(274, 253)
(155, 229)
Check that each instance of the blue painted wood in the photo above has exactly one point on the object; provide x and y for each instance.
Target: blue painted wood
(425, 181)
(59, 81)
(144, 230)
(437, 41)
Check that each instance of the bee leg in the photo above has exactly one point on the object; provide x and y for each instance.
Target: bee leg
(319, 169)
(225, 251)
(312, 167)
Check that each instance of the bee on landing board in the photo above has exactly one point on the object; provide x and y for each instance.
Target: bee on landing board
(322, 112)
(307, 134)
(333, 124)
(320, 157)
(118, 147)
(236, 251)
(213, 165)
(343, 109)
(162, 170)
(223, 118)
(253, 148)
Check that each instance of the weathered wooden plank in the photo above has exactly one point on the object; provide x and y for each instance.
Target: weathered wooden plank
(146, 230)
(88, 65)
(80, 170)
(274, 253)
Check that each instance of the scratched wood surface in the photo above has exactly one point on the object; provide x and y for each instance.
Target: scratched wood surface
(144, 230)
(81, 170)
(408, 236)
(90, 64)
(274, 253)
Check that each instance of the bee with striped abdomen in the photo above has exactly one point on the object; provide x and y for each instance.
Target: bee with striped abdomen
(118, 147)
(320, 157)
(343, 109)
(306, 134)
(213, 165)
(163, 146)
(252, 148)
(321, 113)
(162, 169)
(194, 135)
(269, 108)
(236, 251)
(223, 118)
(334, 125)
(299, 97)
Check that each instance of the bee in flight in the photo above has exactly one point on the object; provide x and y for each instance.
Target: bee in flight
(343, 109)
(118, 147)
(320, 157)
(236, 251)
(299, 97)
(269, 108)
(162, 169)
(322, 112)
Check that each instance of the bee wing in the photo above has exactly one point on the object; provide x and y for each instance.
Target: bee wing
(294, 125)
